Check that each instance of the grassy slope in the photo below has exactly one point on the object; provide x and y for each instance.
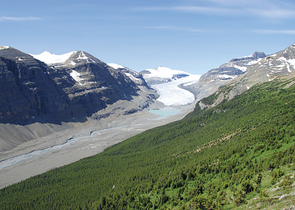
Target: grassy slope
(210, 159)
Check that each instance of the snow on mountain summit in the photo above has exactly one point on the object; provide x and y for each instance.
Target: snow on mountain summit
(50, 58)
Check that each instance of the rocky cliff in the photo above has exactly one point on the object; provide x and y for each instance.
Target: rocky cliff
(54, 94)
(27, 89)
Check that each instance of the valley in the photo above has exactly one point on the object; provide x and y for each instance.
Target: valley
(64, 147)
(158, 139)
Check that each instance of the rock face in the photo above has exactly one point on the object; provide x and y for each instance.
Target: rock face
(91, 84)
(70, 88)
(27, 90)
(213, 79)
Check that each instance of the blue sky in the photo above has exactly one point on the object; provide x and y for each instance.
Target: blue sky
(189, 35)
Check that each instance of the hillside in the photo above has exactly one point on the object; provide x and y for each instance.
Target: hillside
(238, 154)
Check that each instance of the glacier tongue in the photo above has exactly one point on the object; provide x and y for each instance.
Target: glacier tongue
(172, 95)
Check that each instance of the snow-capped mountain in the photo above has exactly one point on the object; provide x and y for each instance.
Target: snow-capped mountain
(278, 65)
(267, 69)
(162, 75)
(59, 89)
(233, 68)
(213, 79)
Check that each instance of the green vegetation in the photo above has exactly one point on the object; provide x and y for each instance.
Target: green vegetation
(239, 154)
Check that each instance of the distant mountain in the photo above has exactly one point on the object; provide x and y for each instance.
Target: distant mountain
(53, 89)
(213, 79)
(233, 68)
(162, 75)
(266, 69)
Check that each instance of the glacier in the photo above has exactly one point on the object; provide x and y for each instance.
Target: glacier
(172, 95)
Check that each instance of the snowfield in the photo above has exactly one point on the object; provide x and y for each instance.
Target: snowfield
(116, 66)
(163, 72)
(172, 95)
(50, 58)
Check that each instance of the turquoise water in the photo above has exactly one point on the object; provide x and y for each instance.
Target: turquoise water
(165, 112)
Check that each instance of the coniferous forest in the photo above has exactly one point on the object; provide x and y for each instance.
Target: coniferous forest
(238, 154)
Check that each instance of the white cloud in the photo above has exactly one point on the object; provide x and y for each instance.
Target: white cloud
(287, 32)
(270, 9)
(183, 29)
(19, 18)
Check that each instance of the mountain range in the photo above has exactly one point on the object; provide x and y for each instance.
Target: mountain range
(76, 86)
(60, 90)
(235, 150)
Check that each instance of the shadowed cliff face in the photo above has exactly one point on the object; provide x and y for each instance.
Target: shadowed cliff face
(76, 88)
(27, 90)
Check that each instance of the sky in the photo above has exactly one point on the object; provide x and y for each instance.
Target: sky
(189, 35)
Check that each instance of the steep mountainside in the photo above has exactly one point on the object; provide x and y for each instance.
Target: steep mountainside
(216, 77)
(27, 89)
(267, 69)
(61, 89)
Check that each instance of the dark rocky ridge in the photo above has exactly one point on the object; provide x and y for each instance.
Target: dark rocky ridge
(37, 99)
(27, 90)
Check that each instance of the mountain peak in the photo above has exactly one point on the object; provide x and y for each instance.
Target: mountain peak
(257, 55)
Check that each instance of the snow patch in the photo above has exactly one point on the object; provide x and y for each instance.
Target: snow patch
(132, 77)
(116, 66)
(254, 62)
(288, 63)
(4, 47)
(225, 76)
(50, 58)
(82, 56)
(242, 68)
(76, 76)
